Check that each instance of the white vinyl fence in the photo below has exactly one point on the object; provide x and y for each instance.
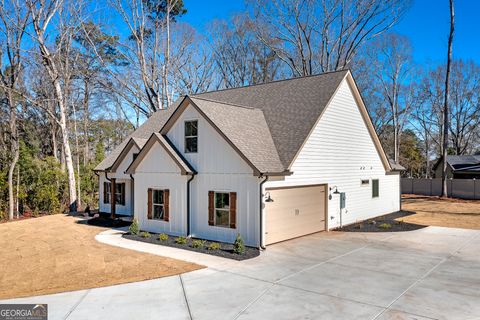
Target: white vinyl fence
(456, 188)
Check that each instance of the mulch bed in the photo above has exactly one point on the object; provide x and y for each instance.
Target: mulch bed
(225, 251)
(106, 222)
(386, 223)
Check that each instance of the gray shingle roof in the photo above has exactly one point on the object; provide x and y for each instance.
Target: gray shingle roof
(153, 124)
(290, 107)
(396, 166)
(247, 129)
(267, 123)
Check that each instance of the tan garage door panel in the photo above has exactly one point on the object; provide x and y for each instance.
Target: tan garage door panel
(294, 212)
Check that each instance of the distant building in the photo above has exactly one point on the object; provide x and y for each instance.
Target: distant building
(459, 167)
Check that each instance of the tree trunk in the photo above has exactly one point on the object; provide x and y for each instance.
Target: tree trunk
(77, 149)
(86, 115)
(15, 150)
(445, 105)
(427, 149)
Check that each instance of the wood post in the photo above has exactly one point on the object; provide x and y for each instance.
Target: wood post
(112, 193)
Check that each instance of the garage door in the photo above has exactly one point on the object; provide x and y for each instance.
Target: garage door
(294, 212)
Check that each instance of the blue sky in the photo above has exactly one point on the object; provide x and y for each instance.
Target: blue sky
(426, 24)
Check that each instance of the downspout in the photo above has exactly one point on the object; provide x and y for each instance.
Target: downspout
(188, 203)
(261, 213)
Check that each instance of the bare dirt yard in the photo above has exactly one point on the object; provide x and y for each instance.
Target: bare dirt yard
(435, 211)
(55, 253)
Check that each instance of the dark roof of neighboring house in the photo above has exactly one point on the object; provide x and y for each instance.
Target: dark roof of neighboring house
(267, 124)
(461, 162)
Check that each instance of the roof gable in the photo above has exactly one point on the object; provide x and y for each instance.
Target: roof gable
(184, 166)
(138, 142)
(153, 124)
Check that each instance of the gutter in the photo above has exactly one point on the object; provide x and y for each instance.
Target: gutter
(188, 203)
(261, 213)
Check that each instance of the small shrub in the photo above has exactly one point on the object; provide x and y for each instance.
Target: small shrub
(214, 246)
(181, 240)
(134, 229)
(385, 225)
(198, 243)
(145, 234)
(163, 237)
(239, 245)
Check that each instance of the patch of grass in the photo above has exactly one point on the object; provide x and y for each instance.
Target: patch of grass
(239, 245)
(134, 228)
(145, 234)
(163, 237)
(198, 243)
(213, 246)
(181, 240)
(385, 226)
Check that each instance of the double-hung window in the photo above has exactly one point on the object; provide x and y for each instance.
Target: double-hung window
(222, 209)
(191, 136)
(120, 193)
(158, 210)
(158, 204)
(107, 192)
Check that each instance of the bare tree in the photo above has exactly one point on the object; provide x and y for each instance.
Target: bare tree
(464, 105)
(240, 57)
(446, 98)
(43, 11)
(388, 75)
(14, 18)
(192, 67)
(312, 36)
(148, 50)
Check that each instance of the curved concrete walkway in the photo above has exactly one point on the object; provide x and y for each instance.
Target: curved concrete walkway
(432, 273)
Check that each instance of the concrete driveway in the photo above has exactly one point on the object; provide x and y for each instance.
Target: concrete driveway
(432, 273)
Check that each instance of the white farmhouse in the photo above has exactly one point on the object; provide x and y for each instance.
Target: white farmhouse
(270, 162)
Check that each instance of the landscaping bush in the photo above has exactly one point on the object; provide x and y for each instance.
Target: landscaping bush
(198, 243)
(134, 229)
(213, 246)
(181, 240)
(239, 245)
(385, 226)
(163, 237)
(145, 234)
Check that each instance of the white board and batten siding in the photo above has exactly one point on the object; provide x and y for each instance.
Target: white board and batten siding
(340, 152)
(220, 169)
(121, 177)
(159, 171)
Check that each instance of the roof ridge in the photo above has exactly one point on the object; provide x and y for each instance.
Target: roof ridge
(224, 102)
(274, 81)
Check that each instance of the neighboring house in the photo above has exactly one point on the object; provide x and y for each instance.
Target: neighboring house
(459, 167)
(270, 162)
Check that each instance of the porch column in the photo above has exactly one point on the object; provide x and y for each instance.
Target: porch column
(112, 193)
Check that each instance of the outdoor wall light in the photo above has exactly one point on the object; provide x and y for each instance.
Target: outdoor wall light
(334, 192)
(267, 197)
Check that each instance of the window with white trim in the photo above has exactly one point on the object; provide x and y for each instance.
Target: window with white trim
(191, 136)
(222, 209)
(158, 205)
